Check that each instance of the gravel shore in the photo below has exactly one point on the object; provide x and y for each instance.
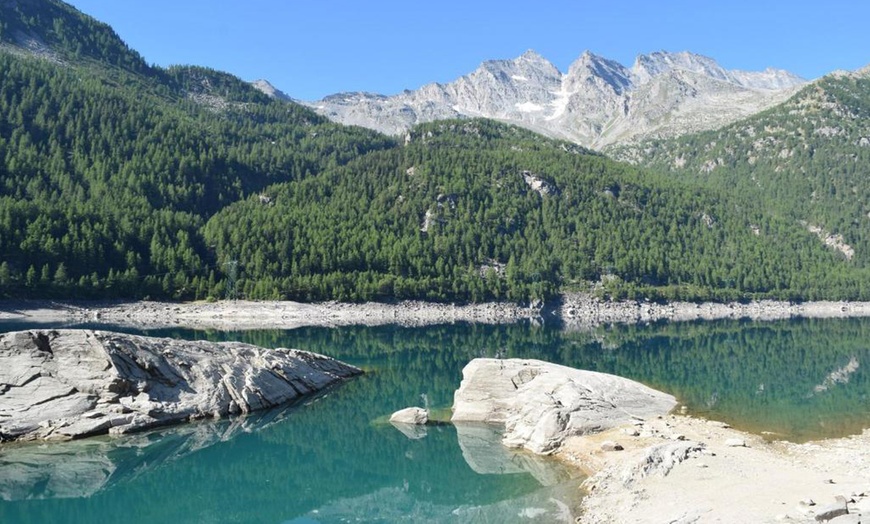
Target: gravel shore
(727, 476)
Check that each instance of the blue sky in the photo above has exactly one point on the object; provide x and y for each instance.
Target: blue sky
(311, 49)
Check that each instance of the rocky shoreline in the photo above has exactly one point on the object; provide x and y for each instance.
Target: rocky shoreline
(690, 470)
(701, 471)
(67, 384)
(646, 465)
(573, 311)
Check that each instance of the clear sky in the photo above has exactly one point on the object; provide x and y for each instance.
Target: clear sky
(310, 49)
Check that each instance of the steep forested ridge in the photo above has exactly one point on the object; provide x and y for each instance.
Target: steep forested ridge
(807, 159)
(118, 179)
(107, 175)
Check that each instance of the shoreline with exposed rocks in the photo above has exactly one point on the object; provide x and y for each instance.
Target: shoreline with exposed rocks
(574, 311)
(755, 481)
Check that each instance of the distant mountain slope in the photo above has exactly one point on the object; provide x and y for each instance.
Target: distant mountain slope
(54, 29)
(808, 159)
(597, 103)
(475, 209)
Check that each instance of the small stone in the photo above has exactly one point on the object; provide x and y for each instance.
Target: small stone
(832, 511)
(609, 445)
(416, 416)
(735, 443)
(847, 519)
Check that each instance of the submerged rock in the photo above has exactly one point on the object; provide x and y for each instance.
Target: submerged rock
(540, 404)
(66, 384)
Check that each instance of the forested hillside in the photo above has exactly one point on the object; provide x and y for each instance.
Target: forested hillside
(118, 179)
(107, 174)
(808, 160)
(479, 210)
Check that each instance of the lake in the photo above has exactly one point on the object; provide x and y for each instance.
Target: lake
(335, 458)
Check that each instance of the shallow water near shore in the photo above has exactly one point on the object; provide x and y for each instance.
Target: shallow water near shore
(336, 459)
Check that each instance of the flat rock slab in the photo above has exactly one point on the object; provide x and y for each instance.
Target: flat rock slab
(65, 384)
(540, 404)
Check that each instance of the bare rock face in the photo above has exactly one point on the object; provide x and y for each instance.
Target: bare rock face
(596, 103)
(67, 384)
(540, 404)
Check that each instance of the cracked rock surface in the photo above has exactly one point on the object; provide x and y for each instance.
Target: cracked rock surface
(541, 404)
(65, 384)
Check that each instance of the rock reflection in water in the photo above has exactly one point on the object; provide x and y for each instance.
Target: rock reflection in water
(83, 468)
(485, 454)
(556, 501)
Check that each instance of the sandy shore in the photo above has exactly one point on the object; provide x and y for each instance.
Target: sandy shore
(760, 482)
(576, 311)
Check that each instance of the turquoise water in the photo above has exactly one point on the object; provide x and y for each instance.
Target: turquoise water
(335, 459)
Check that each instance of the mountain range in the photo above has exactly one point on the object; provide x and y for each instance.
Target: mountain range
(597, 103)
(120, 179)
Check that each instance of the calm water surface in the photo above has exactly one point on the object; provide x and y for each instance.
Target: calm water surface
(336, 459)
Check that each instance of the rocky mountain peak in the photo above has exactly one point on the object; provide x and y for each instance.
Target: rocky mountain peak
(591, 66)
(598, 102)
(527, 65)
(647, 67)
(269, 90)
(532, 56)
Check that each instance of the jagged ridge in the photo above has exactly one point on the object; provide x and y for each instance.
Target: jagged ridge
(598, 102)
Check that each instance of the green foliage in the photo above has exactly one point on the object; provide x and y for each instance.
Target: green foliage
(55, 27)
(121, 180)
(113, 180)
(807, 160)
(357, 232)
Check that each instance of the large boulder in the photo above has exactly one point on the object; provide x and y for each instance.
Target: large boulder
(65, 384)
(540, 404)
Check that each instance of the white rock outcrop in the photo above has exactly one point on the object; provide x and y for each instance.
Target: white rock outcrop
(415, 416)
(540, 404)
(65, 384)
